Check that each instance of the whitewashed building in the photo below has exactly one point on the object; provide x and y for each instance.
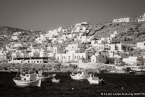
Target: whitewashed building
(40, 39)
(71, 56)
(72, 47)
(132, 60)
(34, 60)
(141, 18)
(140, 45)
(121, 20)
(113, 34)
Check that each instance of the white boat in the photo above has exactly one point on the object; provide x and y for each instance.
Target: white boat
(43, 78)
(55, 80)
(93, 80)
(80, 75)
(27, 80)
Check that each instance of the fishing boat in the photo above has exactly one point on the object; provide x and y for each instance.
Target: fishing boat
(27, 80)
(54, 80)
(80, 75)
(43, 77)
(93, 80)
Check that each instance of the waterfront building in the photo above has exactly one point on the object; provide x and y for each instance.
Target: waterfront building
(131, 60)
(71, 56)
(113, 34)
(34, 60)
(121, 20)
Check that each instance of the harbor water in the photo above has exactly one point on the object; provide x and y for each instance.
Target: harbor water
(116, 85)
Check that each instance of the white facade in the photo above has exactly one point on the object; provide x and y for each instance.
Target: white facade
(72, 47)
(141, 18)
(99, 47)
(114, 47)
(70, 56)
(130, 60)
(141, 45)
(29, 60)
(99, 41)
(93, 42)
(70, 35)
(93, 59)
(114, 34)
(121, 20)
(85, 39)
(49, 35)
(14, 37)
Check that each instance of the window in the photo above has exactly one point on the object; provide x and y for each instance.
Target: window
(37, 61)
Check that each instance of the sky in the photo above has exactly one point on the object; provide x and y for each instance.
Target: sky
(46, 15)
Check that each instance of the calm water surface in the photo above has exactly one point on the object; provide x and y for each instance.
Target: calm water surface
(117, 85)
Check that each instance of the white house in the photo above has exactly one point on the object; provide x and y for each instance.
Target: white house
(71, 56)
(113, 35)
(59, 29)
(114, 47)
(141, 45)
(121, 20)
(60, 41)
(141, 18)
(64, 37)
(99, 41)
(14, 37)
(48, 35)
(93, 59)
(99, 47)
(72, 47)
(54, 40)
(132, 60)
(40, 39)
(85, 39)
(34, 60)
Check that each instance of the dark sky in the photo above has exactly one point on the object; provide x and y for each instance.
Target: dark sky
(50, 14)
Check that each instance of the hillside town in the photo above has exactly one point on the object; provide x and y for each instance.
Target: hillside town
(74, 45)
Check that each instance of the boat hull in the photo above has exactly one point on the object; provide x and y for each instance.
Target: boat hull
(91, 81)
(78, 77)
(44, 78)
(24, 83)
(55, 80)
